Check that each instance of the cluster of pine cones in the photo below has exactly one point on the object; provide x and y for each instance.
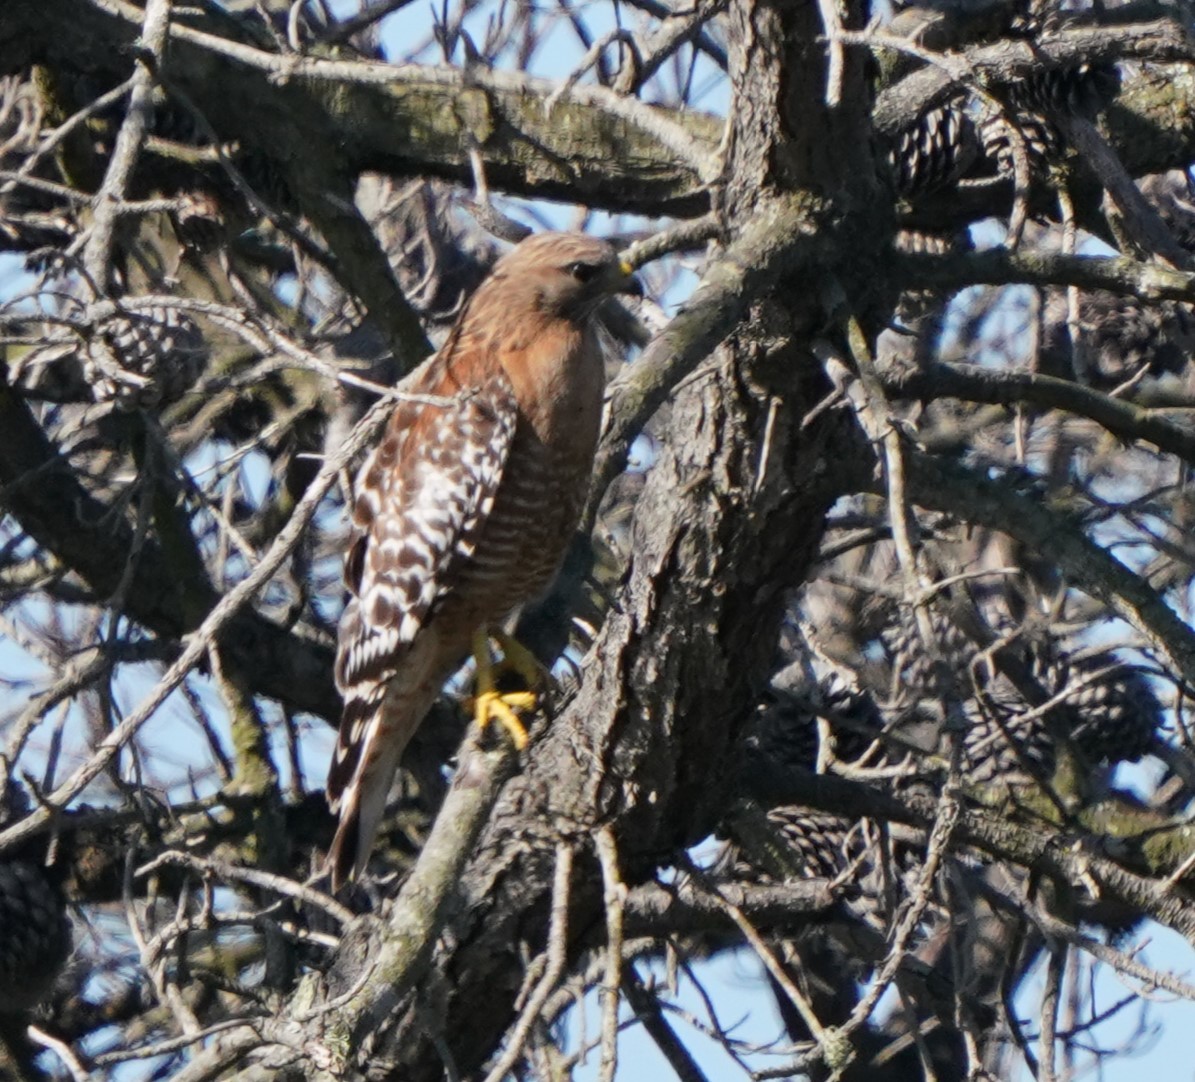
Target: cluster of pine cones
(969, 137)
(1016, 705)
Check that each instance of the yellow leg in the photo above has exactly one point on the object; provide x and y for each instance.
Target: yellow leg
(517, 657)
(490, 704)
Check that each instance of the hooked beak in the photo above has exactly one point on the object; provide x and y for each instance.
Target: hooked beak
(629, 282)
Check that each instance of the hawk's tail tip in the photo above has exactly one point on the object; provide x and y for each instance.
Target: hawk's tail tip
(342, 863)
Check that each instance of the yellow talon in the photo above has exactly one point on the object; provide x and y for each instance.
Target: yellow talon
(499, 706)
(490, 704)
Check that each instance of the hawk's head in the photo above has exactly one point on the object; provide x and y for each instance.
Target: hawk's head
(568, 274)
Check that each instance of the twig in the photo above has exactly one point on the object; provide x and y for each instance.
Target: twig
(975, 383)
(939, 841)
(832, 21)
(197, 644)
(674, 30)
(592, 56)
(1022, 181)
(615, 893)
(999, 266)
(557, 955)
(980, 500)
(1118, 960)
(702, 41)
(766, 955)
(676, 238)
(875, 416)
(361, 21)
(648, 1012)
(151, 950)
(655, 909)
(173, 1044)
(220, 1055)
(255, 877)
(53, 140)
(98, 250)
(1049, 1013)
(61, 1049)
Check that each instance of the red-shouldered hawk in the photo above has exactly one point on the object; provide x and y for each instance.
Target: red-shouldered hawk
(464, 510)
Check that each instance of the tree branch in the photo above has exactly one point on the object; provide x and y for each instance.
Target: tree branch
(1008, 61)
(1006, 387)
(45, 496)
(781, 240)
(1001, 266)
(404, 947)
(975, 498)
(404, 120)
(1048, 851)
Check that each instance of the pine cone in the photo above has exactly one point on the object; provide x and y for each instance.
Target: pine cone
(1035, 18)
(1043, 142)
(934, 151)
(1120, 337)
(914, 674)
(1005, 740)
(35, 934)
(144, 360)
(1084, 90)
(786, 732)
(786, 843)
(1114, 717)
(817, 841)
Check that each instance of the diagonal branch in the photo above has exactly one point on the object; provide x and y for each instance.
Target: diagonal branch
(406, 944)
(207, 633)
(779, 240)
(98, 251)
(975, 498)
(44, 495)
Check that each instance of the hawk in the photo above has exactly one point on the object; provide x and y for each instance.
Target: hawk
(465, 508)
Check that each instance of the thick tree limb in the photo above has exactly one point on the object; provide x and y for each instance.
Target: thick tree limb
(1006, 61)
(404, 120)
(1152, 121)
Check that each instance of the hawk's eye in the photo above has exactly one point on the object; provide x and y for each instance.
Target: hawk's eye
(583, 271)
